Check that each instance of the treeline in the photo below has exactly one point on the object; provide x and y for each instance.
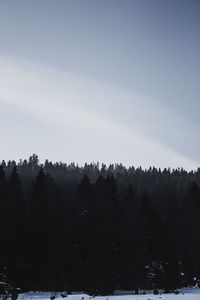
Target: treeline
(98, 228)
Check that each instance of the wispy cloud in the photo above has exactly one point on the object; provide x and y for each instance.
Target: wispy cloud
(70, 118)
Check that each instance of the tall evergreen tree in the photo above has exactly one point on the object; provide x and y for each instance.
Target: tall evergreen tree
(4, 222)
(17, 224)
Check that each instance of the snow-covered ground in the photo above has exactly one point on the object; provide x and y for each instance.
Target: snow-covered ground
(185, 294)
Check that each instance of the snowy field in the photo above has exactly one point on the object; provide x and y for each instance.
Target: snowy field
(185, 294)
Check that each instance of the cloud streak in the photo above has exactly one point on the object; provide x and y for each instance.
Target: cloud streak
(65, 117)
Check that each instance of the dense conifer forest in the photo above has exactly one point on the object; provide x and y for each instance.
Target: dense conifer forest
(98, 228)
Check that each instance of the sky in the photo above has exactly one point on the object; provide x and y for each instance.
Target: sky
(114, 81)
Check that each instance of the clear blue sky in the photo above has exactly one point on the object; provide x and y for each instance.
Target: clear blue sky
(106, 80)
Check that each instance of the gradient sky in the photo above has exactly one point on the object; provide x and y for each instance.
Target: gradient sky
(107, 80)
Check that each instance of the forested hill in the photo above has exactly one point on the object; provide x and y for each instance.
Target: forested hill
(98, 228)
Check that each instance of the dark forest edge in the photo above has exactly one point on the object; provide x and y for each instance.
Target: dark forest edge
(97, 228)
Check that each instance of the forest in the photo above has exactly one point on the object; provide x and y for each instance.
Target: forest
(98, 228)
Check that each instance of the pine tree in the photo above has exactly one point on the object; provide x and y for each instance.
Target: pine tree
(3, 208)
